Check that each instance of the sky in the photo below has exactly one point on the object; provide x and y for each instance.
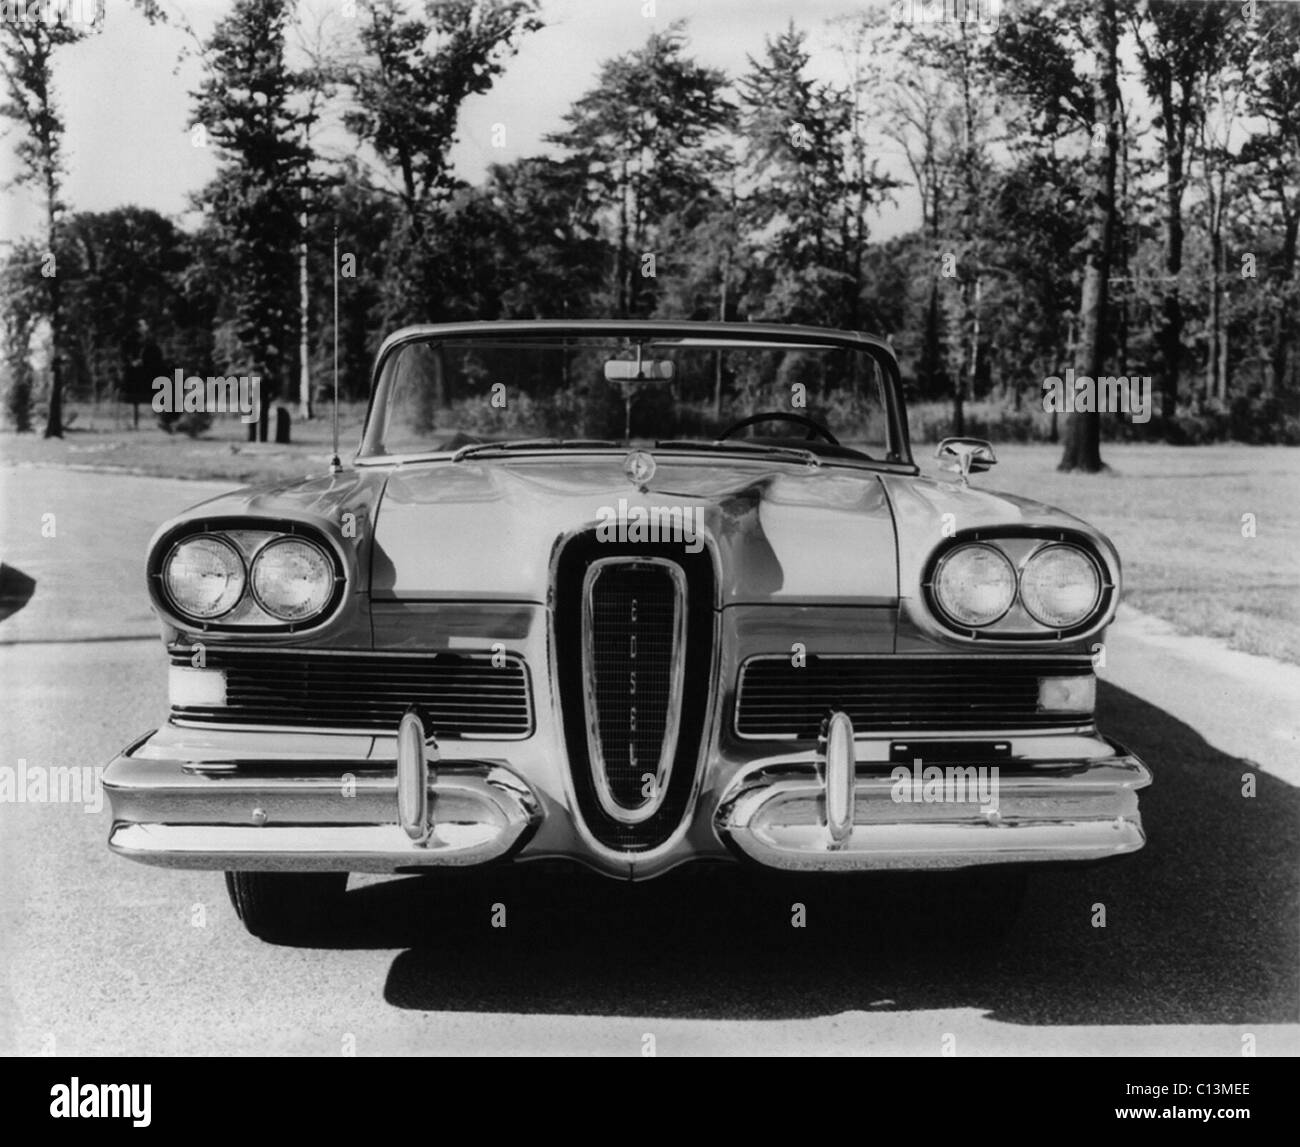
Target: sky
(124, 92)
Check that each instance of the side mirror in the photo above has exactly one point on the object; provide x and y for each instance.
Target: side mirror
(965, 456)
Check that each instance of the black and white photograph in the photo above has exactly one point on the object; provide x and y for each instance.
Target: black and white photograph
(694, 528)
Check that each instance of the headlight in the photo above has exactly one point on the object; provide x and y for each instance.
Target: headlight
(975, 585)
(1059, 586)
(204, 577)
(293, 580)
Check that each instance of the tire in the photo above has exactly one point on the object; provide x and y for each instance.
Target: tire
(282, 907)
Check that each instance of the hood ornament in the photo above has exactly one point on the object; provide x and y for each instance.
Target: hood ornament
(640, 467)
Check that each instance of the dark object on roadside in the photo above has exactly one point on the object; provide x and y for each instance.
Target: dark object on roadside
(282, 424)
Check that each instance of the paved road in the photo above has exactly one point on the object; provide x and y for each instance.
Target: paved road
(103, 956)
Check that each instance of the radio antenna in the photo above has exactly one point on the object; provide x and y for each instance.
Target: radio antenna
(335, 464)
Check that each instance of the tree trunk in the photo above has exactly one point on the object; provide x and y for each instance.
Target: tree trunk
(1083, 430)
(722, 317)
(1282, 342)
(304, 313)
(623, 227)
(1214, 322)
(54, 416)
(1170, 334)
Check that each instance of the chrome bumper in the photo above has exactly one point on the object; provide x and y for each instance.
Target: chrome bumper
(315, 811)
(185, 815)
(829, 817)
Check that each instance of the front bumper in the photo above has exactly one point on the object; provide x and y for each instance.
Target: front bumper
(1078, 812)
(819, 811)
(341, 817)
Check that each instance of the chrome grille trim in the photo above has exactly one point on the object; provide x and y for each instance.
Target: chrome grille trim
(609, 802)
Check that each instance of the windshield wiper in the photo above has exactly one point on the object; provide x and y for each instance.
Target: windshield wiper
(808, 457)
(476, 448)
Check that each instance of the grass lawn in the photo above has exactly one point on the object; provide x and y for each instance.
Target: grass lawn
(1175, 514)
(103, 440)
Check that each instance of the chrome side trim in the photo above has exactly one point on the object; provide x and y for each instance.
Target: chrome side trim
(668, 746)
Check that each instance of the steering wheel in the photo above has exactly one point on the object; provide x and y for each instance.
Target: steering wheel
(815, 429)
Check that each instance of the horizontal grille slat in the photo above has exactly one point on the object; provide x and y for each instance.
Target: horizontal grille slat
(779, 699)
(462, 695)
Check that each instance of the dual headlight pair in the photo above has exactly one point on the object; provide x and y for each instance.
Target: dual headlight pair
(206, 577)
(1059, 585)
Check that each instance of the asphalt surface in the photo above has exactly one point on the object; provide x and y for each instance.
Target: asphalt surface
(103, 956)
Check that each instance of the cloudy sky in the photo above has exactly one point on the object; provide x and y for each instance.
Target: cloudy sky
(125, 91)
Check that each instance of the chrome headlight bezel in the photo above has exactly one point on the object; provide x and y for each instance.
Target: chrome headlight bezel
(1089, 561)
(946, 561)
(248, 537)
(238, 565)
(1019, 545)
(327, 569)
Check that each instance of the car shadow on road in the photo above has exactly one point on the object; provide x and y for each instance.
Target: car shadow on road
(1199, 927)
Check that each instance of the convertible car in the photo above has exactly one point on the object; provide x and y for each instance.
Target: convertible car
(626, 594)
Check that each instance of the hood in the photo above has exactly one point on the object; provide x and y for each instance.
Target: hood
(781, 533)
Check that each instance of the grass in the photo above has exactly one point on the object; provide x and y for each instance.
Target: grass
(1176, 515)
(102, 439)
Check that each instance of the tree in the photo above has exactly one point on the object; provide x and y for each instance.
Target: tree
(23, 303)
(1034, 61)
(544, 239)
(245, 106)
(808, 187)
(123, 268)
(647, 139)
(1083, 429)
(1273, 97)
(409, 79)
(1178, 45)
(27, 52)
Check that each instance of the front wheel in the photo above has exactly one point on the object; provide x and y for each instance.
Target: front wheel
(285, 906)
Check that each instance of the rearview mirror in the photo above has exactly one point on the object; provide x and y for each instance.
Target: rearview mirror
(965, 456)
(642, 370)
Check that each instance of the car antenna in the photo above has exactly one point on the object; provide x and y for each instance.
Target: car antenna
(335, 464)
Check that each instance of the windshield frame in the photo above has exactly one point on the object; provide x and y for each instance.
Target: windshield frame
(370, 451)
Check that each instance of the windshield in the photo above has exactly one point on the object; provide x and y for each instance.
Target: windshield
(447, 394)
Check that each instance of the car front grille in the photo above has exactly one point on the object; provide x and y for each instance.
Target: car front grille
(634, 643)
(633, 649)
(461, 695)
(778, 698)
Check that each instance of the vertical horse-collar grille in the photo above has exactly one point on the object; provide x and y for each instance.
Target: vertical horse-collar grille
(634, 641)
(634, 649)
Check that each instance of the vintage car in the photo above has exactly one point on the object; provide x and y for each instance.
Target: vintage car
(566, 604)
